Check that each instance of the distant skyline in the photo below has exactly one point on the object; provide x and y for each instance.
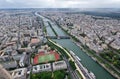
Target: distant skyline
(59, 3)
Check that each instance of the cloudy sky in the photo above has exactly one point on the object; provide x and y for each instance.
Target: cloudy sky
(59, 3)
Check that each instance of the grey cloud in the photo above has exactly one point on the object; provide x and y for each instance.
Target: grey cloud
(59, 3)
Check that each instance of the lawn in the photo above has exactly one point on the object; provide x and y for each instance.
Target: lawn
(46, 58)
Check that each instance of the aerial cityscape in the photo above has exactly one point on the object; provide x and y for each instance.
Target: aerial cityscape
(49, 40)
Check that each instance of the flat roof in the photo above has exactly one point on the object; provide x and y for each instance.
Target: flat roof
(35, 40)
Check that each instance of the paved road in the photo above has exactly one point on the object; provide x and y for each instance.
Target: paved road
(72, 73)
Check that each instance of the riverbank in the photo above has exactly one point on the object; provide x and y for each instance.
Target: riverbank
(71, 58)
(98, 60)
(52, 29)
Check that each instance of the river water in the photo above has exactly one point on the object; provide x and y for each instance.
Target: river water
(87, 61)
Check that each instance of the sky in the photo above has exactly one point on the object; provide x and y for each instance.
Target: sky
(59, 3)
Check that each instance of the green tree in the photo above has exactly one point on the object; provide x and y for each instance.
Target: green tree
(59, 75)
(72, 65)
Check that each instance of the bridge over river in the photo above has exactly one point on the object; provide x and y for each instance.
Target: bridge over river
(58, 37)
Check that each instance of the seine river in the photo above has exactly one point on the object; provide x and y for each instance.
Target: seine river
(87, 61)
